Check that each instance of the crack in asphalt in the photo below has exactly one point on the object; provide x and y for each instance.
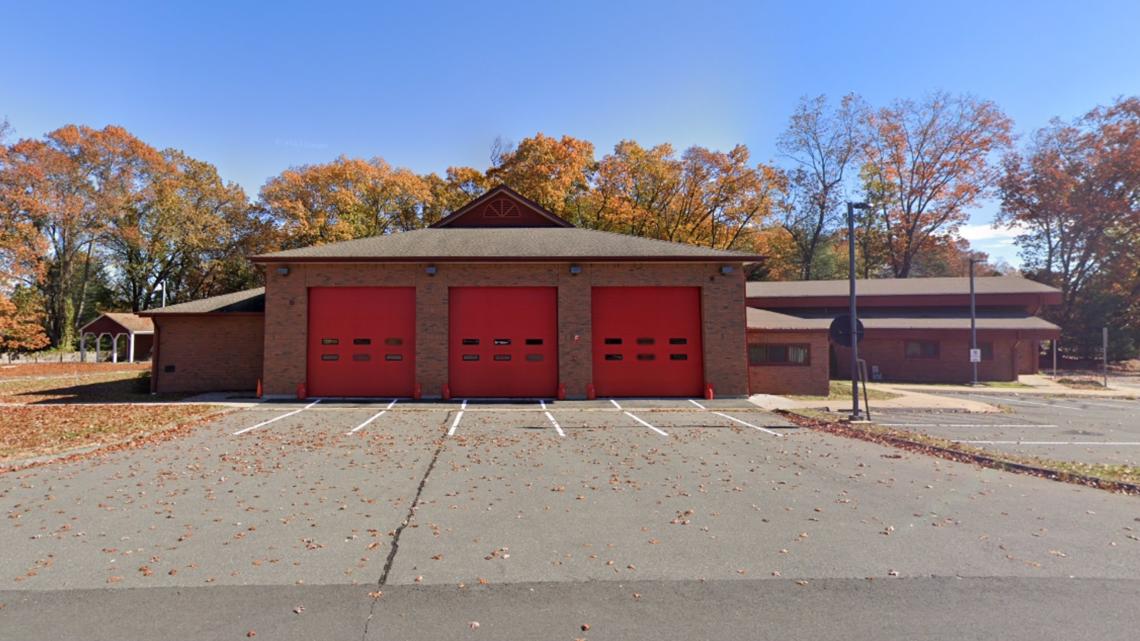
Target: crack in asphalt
(400, 530)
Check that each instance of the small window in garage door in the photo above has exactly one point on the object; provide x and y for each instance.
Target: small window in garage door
(647, 341)
(361, 341)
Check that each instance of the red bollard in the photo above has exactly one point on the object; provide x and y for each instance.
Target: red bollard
(709, 392)
(301, 391)
(446, 392)
(591, 394)
(418, 392)
(562, 391)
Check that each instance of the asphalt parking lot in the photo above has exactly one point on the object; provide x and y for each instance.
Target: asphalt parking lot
(649, 518)
(1099, 430)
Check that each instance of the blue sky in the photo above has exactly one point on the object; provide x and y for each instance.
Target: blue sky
(257, 87)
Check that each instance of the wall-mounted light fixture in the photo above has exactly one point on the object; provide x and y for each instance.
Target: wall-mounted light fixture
(430, 270)
(725, 270)
(575, 270)
(283, 270)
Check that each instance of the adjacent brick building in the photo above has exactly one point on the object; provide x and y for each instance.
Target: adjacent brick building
(917, 329)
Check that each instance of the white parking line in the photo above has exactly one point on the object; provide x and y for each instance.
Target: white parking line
(697, 404)
(615, 403)
(275, 419)
(1001, 425)
(755, 427)
(1021, 402)
(557, 427)
(373, 418)
(1081, 443)
(455, 423)
(659, 431)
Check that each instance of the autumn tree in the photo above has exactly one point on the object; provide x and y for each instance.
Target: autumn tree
(190, 232)
(925, 165)
(344, 199)
(21, 328)
(703, 197)
(459, 186)
(557, 173)
(1075, 194)
(822, 144)
(68, 187)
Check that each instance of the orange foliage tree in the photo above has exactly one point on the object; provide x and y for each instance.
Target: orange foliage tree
(925, 164)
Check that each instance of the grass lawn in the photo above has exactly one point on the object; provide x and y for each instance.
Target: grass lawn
(1007, 384)
(26, 370)
(36, 430)
(880, 434)
(841, 390)
(1082, 383)
(92, 385)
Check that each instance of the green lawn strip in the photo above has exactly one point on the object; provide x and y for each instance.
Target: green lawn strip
(39, 430)
(1120, 478)
(841, 390)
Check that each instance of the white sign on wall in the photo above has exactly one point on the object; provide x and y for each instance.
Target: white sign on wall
(975, 356)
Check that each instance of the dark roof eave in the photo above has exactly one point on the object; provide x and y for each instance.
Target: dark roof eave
(161, 314)
(746, 258)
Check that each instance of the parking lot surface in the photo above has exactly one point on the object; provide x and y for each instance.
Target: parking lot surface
(1061, 428)
(473, 504)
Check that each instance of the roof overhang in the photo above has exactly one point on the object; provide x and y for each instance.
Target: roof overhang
(507, 259)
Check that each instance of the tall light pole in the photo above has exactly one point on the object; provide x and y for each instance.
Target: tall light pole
(162, 286)
(856, 414)
(973, 324)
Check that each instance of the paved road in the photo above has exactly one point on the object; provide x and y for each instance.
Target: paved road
(1064, 428)
(715, 514)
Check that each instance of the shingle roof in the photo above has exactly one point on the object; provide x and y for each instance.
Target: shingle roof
(249, 300)
(543, 244)
(898, 287)
(874, 319)
(128, 321)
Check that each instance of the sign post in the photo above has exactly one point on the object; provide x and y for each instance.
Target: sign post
(1104, 354)
(975, 358)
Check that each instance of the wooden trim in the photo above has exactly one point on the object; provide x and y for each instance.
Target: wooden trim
(491, 193)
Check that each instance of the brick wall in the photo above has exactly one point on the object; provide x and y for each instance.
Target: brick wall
(811, 379)
(208, 353)
(886, 349)
(722, 302)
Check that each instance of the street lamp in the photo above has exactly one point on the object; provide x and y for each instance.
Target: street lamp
(162, 286)
(856, 414)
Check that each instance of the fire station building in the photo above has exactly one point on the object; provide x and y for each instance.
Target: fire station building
(500, 299)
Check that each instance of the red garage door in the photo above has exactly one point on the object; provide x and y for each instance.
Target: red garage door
(647, 341)
(503, 342)
(362, 341)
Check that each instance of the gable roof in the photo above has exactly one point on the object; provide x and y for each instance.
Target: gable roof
(132, 323)
(249, 301)
(898, 287)
(505, 244)
(509, 207)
